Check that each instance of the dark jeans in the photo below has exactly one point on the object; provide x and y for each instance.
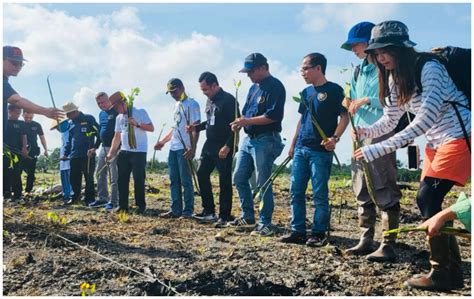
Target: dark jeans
(431, 194)
(29, 166)
(224, 167)
(78, 169)
(127, 163)
(12, 178)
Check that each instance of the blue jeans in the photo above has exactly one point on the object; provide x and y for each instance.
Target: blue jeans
(180, 176)
(66, 184)
(309, 164)
(258, 154)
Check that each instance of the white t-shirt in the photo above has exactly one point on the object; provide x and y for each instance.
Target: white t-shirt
(121, 126)
(188, 106)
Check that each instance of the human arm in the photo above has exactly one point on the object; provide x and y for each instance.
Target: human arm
(25, 104)
(43, 143)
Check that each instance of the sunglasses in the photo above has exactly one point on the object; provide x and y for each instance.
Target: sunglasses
(16, 63)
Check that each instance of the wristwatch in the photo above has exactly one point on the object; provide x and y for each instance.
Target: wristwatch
(335, 137)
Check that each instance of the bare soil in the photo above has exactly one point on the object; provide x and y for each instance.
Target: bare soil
(185, 257)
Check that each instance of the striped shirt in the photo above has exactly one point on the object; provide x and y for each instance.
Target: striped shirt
(435, 116)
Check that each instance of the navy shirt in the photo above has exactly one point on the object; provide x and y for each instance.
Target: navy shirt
(220, 112)
(83, 130)
(107, 126)
(325, 102)
(266, 98)
(33, 130)
(8, 91)
(14, 135)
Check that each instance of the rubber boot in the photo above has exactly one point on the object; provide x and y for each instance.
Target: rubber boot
(367, 217)
(386, 250)
(439, 277)
(455, 263)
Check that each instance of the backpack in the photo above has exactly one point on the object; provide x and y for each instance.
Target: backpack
(457, 62)
(406, 117)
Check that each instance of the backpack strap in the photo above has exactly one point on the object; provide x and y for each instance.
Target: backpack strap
(463, 127)
(356, 72)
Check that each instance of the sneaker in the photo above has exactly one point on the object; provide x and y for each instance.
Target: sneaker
(241, 222)
(168, 215)
(202, 214)
(294, 238)
(205, 218)
(109, 207)
(317, 240)
(140, 211)
(220, 223)
(120, 209)
(97, 204)
(186, 216)
(263, 230)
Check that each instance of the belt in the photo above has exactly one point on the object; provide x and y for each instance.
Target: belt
(271, 133)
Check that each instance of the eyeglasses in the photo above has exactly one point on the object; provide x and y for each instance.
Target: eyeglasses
(305, 68)
(16, 63)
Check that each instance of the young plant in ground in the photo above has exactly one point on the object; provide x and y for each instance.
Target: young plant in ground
(236, 111)
(444, 230)
(87, 289)
(123, 217)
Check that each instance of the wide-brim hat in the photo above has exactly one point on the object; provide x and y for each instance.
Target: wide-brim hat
(116, 98)
(56, 123)
(389, 33)
(70, 107)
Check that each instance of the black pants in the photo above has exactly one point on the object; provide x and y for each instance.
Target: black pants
(12, 177)
(431, 194)
(131, 162)
(224, 167)
(78, 169)
(29, 166)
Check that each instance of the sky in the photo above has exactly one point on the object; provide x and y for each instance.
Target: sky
(89, 47)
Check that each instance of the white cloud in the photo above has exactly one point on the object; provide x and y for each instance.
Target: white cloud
(318, 17)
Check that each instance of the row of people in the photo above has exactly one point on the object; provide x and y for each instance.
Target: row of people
(382, 90)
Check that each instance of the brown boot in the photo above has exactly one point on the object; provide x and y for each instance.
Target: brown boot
(386, 251)
(366, 244)
(439, 277)
(455, 263)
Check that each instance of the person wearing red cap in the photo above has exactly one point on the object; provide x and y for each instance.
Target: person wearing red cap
(13, 62)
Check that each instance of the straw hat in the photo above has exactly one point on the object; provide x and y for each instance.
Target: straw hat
(56, 123)
(115, 98)
(70, 107)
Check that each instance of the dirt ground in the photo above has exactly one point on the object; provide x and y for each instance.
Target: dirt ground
(183, 257)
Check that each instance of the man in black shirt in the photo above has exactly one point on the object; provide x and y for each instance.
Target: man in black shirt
(14, 148)
(217, 150)
(32, 130)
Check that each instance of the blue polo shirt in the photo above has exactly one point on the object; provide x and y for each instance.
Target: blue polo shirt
(265, 98)
(325, 101)
(107, 126)
(83, 130)
(8, 91)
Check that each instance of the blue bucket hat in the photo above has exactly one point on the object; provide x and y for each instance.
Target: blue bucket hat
(359, 33)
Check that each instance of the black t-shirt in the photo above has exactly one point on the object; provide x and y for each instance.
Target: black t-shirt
(8, 91)
(33, 130)
(14, 134)
(325, 102)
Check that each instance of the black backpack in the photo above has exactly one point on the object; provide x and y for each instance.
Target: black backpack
(457, 62)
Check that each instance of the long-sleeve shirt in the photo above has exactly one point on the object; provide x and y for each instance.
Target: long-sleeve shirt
(220, 112)
(366, 85)
(434, 115)
(83, 135)
(462, 209)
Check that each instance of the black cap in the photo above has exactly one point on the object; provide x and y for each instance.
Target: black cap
(252, 61)
(173, 84)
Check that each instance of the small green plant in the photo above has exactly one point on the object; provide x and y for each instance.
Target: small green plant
(55, 219)
(123, 216)
(87, 289)
(444, 230)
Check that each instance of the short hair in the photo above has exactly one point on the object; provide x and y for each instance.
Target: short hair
(209, 78)
(317, 59)
(100, 94)
(12, 107)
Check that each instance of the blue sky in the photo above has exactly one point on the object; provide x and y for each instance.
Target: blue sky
(107, 47)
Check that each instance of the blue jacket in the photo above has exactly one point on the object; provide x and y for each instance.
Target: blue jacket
(83, 135)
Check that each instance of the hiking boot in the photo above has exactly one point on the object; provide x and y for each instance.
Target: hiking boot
(386, 250)
(241, 222)
(263, 230)
(97, 204)
(317, 240)
(168, 215)
(293, 238)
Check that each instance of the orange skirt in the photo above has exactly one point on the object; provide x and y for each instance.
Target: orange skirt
(450, 161)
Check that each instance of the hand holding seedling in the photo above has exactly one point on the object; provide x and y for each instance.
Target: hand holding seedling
(238, 123)
(189, 154)
(191, 128)
(223, 152)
